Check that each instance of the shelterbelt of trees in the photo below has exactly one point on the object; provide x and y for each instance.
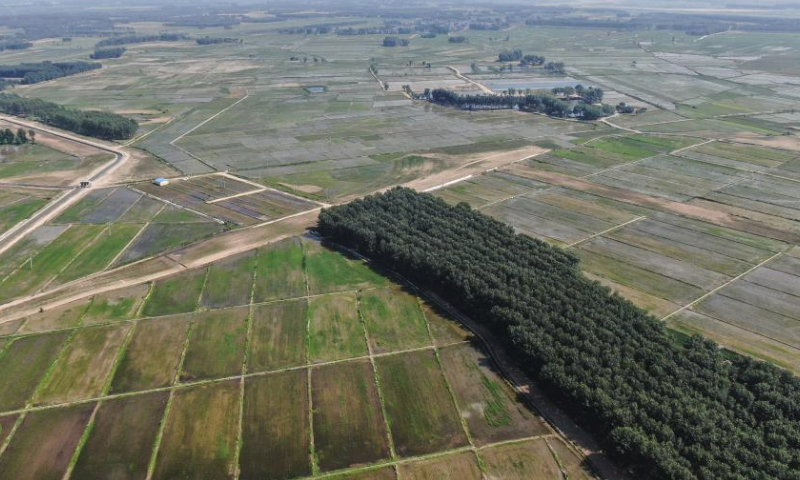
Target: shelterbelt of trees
(129, 39)
(667, 410)
(530, 102)
(103, 53)
(103, 125)
(30, 73)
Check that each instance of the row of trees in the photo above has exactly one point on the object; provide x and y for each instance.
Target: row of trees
(530, 102)
(102, 53)
(217, 40)
(30, 73)
(667, 411)
(128, 39)
(587, 94)
(104, 125)
(7, 137)
(458, 39)
(14, 43)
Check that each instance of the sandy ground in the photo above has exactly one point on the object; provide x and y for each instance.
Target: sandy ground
(789, 142)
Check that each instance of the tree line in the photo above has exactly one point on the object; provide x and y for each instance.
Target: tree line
(14, 43)
(30, 73)
(7, 136)
(217, 40)
(666, 410)
(102, 53)
(104, 125)
(129, 39)
(395, 42)
(529, 102)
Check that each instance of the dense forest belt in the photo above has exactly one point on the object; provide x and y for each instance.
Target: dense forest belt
(103, 125)
(668, 411)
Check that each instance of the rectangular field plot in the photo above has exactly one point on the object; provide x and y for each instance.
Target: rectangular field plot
(160, 237)
(122, 438)
(216, 344)
(177, 294)
(420, 410)
(229, 282)
(752, 318)
(349, 428)
(279, 271)
(115, 305)
(275, 427)
(83, 368)
(385, 473)
(459, 466)
(394, 320)
(152, 355)
(521, 461)
(572, 464)
(335, 331)
(23, 364)
(99, 254)
(488, 188)
(109, 209)
(330, 271)
(485, 400)
(43, 445)
(444, 329)
(200, 453)
(48, 262)
(278, 336)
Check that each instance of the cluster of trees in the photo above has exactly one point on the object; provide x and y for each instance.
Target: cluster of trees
(30, 73)
(113, 52)
(668, 411)
(14, 43)
(458, 39)
(556, 68)
(217, 40)
(516, 55)
(7, 137)
(529, 102)
(395, 42)
(589, 95)
(129, 39)
(104, 125)
(206, 21)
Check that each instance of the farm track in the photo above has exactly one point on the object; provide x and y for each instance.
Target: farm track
(59, 204)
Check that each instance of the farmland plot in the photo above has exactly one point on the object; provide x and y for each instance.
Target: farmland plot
(420, 410)
(229, 282)
(121, 440)
(275, 435)
(205, 453)
(116, 305)
(65, 316)
(160, 237)
(216, 344)
(23, 364)
(99, 254)
(349, 428)
(485, 400)
(330, 271)
(521, 461)
(178, 294)
(279, 272)
(394, 320)
(43, 445)
(83, 368)
(460, 466)
(152, 356)
(444, 330)
(335, 331)
(385, 473)
(278, 336)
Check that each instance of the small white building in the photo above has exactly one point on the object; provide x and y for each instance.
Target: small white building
(160, 181)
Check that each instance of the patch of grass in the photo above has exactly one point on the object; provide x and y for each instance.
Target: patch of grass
(216, 344)
(229, 282)
(330, 271)
(82, 370)
(460, 466)
(521, 461)
(420, 410)
(98, 255)
(275, 427)
(348, 425)
(204, 453)
(279, 272)
(122, 437)
(394, 320)
(152, 356)
(23, 364)
(278, 336)
(335, 331)
(176, 294)
(116, 305)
